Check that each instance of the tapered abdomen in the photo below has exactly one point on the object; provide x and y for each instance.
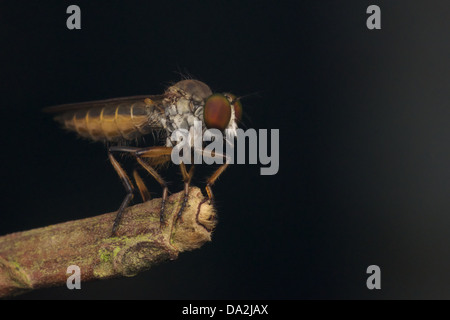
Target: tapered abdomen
(112, 123)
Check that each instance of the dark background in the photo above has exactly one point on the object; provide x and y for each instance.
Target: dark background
(364, 139)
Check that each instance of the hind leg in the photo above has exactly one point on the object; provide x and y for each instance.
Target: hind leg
(128, 187)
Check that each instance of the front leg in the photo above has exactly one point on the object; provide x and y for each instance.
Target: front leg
(216, 174)
(213, 179)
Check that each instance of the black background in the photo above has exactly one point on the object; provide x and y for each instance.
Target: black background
(364, 139)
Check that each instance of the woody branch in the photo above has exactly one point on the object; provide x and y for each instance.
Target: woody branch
(39, 258)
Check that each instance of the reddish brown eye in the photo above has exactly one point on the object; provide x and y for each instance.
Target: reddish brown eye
(217, 112)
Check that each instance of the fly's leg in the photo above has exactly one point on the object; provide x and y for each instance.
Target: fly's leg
(216, 174)
(145, 194)
(163, 184)
(213, 179)
(128, 187)
(187, 177)
(150, 152)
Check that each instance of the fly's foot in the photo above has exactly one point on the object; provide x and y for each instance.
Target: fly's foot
(162, 223)
(185, 200)
(162, 220)
(113, 232)
(115, 226)
(183, 205)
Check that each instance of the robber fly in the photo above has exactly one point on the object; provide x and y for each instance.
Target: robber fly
(116, 121)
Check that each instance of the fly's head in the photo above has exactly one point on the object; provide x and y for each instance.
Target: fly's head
(222, 111)
(216, 111)
(192, 100)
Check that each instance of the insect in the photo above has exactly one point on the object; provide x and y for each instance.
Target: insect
(121, 120)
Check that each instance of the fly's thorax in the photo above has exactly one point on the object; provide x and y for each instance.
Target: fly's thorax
(184, 105)
(191, 89)
(182, 115)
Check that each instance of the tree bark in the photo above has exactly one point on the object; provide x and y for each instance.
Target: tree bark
(40, 257)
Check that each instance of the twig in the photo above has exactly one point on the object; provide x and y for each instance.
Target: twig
(40, 257)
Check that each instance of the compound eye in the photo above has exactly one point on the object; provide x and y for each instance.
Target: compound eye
(217, 112)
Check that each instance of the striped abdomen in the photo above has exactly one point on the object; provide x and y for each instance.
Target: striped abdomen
(112, 123)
